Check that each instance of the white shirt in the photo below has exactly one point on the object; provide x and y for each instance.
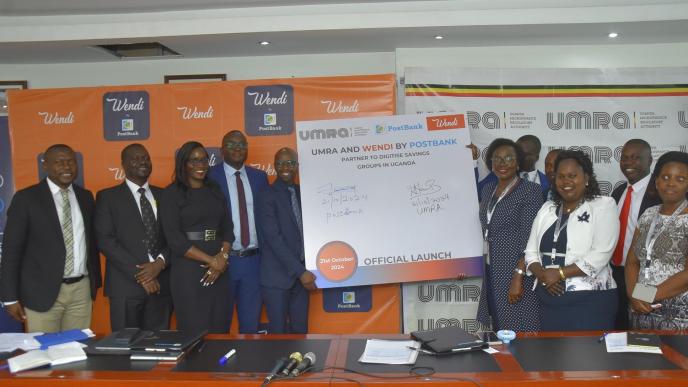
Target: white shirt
(591, 235)
(78, 231)
(151, 199)
(234, 202)
(639, 189)
(533, 176)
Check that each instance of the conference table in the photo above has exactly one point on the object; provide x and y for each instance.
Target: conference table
(569, 359)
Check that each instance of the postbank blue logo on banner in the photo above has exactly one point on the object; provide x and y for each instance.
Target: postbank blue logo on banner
(126, 115)
(79, 162)
(269, 110)
(6, 178)
(348, 299)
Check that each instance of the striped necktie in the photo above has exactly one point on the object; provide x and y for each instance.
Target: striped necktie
(67, 233)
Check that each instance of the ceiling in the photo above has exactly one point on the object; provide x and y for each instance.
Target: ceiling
(50, 31)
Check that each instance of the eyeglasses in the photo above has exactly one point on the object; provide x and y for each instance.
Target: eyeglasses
(236, 145)
(508, 159)
(201, 161)
(286, 163)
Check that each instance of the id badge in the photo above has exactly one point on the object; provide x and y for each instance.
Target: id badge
(486, 251)
(644, 292)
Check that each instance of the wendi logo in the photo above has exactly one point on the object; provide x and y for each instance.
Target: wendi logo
(126, 115)
(454, 121)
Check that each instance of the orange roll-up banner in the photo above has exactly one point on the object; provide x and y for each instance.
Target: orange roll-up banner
(97, 122)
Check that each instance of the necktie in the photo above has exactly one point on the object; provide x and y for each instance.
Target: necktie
(296, 208)
(617, 258)
(67, 233)
(525, 176)
(243, 213)
(149, 223)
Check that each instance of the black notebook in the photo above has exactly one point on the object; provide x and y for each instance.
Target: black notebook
(449, 339)
(643, 340)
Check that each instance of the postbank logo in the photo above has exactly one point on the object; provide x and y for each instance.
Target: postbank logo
(269, 110)
(348, 297)
(454, 121)
(126, 115)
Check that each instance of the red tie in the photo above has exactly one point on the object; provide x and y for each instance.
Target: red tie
(623, 219)
(243, 213)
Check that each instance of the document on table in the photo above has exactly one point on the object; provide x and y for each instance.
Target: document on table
(618, 342)
(390, 352)
(55, 355)
(25, 341)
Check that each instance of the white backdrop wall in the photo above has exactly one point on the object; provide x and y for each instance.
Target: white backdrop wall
(261, 67)
(130, 72)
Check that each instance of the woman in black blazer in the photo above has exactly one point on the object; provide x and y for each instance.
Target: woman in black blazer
(199, 232)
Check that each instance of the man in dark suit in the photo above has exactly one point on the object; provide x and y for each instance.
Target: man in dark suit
(130, 236)
(50, 267)
(241, 185)
(284, 280)
(550, 172)
(633, 197)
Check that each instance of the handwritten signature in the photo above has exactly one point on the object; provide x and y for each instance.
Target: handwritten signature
(339, 195)
(428, 187)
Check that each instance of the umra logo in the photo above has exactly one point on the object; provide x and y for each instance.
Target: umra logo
(587, 120)
(321, 134)
(682, 119)
(489, 120)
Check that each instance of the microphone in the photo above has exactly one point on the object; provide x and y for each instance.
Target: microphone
(279, 365)
(294, 359)
(308, 360)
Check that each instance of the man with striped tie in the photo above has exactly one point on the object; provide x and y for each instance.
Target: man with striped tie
(50, 269)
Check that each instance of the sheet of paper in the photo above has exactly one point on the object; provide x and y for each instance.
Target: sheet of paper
(390, 352)
(618, 343)
(24, 341)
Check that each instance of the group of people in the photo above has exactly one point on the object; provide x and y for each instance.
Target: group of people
(559, 256)
(214, 238)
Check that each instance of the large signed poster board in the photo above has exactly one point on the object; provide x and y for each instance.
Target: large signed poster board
(388, 199)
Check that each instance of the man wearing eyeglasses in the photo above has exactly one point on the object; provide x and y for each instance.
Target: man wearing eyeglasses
(284, 279)
(241, 185)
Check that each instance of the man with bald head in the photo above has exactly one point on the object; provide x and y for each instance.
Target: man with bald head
(130, 236)
(285, 282)
(50, 268)
(633, 197)
(241, 185)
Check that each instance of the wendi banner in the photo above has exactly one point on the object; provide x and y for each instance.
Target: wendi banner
(388, 199)
(99, 122)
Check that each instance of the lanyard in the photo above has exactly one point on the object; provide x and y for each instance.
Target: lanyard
(652, 235)
(557, 230)
(491, 208)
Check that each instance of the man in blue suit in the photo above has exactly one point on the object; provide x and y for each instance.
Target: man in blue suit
(284, 280)
(241, 185)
